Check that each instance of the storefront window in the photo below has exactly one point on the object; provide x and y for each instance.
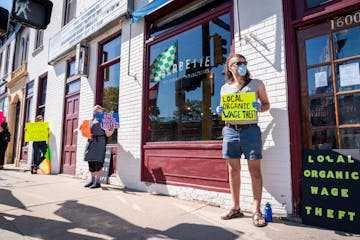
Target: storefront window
(324, 139)
(320, 80)
(111, 88)
(322, 112)
(185, 77)
(350, 138)
(348, 75)
(349, 109)
(110, 78)
(318, 50)
(332, 99)
(346, 43)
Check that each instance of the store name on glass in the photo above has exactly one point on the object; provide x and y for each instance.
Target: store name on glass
(194, 68)
(344, 21)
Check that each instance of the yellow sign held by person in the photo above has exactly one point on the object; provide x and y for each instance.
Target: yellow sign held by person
(238, 106)
(36, 132)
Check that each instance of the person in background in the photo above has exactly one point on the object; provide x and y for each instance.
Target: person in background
(95, 149)
(243, 137)
(4, 140)
(39, 150)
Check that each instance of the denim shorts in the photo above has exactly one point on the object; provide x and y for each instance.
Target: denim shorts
(244, 141)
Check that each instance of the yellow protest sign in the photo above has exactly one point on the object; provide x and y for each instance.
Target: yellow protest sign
(238, 106)
(36, 132)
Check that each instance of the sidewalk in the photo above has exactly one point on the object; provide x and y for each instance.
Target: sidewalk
(57, 207)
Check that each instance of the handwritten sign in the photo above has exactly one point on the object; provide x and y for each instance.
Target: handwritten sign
(108, 120)
(330, 186)
(1, 117)
(238, 106)
(36, 132)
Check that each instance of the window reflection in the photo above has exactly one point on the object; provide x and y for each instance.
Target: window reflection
(111, 50)
(320, 81)
(322, 112)
(71, 68)
(185, 84)
(72, 87)
(111, 88)
(111, 94)
(349, 109)
(110, 78)
(317, 50)
(350, 138)
(324, 139)
(346, 43)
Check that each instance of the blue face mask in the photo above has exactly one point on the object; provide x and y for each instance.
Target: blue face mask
(242, 70)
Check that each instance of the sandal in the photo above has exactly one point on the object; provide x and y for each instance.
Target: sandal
(233, 213)
(258, 220)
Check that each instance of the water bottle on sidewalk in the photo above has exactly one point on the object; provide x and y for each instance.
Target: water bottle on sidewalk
(268, 212)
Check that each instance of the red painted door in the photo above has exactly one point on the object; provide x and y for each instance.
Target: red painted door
(68, 160)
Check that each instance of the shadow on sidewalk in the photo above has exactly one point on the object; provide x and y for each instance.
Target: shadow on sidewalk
(7, 198)
(90, 223)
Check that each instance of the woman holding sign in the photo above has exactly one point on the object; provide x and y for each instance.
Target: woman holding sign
(241, 99)
(39, 150)
(96, 147)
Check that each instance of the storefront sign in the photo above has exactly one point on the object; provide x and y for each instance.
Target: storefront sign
(238, 106)
(36, 132)
(89, 23)
(330, 189)
(194, 68)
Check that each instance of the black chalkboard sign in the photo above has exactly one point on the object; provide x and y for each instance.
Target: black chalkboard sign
(330, 189)
(105, 173)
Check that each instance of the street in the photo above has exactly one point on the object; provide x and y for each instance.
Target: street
(59, 207)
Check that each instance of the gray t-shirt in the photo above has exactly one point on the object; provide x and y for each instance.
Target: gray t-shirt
(252, 86)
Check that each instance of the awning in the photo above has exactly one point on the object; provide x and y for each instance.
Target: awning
(147, 9)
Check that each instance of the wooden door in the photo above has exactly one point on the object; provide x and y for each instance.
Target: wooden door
(330, 86)
(68, 161)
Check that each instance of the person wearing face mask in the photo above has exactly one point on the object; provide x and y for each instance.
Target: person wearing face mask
(95, 148)
(243, 137)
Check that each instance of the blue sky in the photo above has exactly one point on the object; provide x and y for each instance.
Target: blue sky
(6, 4)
